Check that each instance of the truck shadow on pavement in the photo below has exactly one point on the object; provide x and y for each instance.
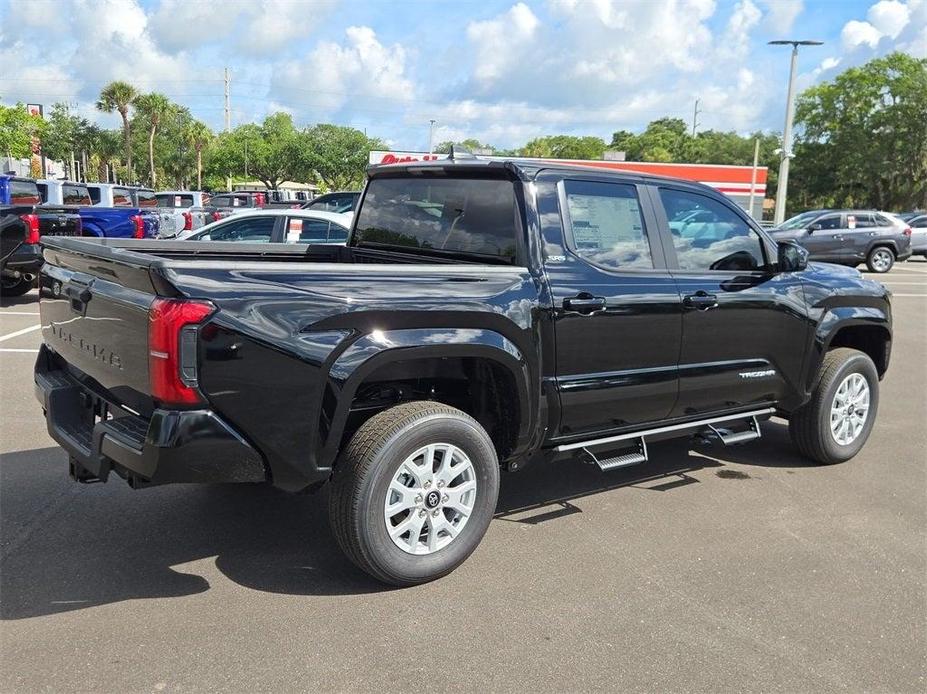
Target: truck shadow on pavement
(67, 547)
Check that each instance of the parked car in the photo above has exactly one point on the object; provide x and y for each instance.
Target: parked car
(188, 207)
(849, 237)
(276, 226)
(344, 201)
(484, 315)
(918, 224)
(23, 224)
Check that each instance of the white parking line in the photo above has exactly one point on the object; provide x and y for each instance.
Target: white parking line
(22, 351)
(19, 313)
(923, 296)
(10, 336)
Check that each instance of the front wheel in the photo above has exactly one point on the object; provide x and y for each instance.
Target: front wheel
(880, 259)
(835, 423)
(413, 492)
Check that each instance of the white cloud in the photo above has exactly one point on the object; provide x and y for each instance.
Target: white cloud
(360, 71)
(500, 42)
(781, 14)
(889, 17)
(856, 33)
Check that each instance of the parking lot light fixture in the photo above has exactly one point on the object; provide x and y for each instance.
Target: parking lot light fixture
(786, 154)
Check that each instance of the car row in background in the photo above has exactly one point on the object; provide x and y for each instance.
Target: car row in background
(853, 237)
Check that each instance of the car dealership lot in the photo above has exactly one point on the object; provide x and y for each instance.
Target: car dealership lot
(707, 569)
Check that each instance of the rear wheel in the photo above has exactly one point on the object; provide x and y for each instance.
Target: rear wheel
(880, 259)
(413, 492)
(10, 286)
(834, 425)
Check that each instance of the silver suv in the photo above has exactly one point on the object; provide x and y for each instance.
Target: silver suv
(850, 237)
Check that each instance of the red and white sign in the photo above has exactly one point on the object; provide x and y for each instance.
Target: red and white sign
(735, 181)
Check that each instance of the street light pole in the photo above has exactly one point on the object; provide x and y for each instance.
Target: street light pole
(785, 154)
(431, 136)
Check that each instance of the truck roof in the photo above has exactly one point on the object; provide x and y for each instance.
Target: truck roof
(524, 169)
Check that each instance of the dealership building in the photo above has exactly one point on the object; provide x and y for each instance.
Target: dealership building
(745, 185)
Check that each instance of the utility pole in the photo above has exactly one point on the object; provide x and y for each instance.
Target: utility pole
(695, 113)
(756, 161)
(431, 136)
(228, 123)
(228, 110)
(785, 154)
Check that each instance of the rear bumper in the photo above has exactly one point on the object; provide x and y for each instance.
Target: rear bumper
(25, 257)
(172, 446)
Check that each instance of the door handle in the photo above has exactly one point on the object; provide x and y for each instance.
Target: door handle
(837, 237)
(700, 301)
(585, 303)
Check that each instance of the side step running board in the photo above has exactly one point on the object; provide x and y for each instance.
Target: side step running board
(672, 427)
(729, 438)
(620, 460)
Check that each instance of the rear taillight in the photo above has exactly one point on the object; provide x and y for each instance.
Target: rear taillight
(259, 199)
(139, 226)
(216, 216)
(187, 221)
(907, 231)
(172, 336)
(32, 228)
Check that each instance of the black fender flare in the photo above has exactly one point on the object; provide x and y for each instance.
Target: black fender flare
(839, 315)
(373, 350)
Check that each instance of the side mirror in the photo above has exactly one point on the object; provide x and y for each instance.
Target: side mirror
(815, 227)
(791, 257)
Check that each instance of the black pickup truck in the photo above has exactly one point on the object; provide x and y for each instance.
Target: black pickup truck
(23, 222)
(484, 315)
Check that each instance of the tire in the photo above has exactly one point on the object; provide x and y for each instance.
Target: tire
(810, 426)
(365, 480)
(880, 259)
(14, 287)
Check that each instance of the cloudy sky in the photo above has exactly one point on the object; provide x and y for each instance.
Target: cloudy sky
(500, 71)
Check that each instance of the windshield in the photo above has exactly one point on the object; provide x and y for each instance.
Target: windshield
(475, 216)
(798, 221)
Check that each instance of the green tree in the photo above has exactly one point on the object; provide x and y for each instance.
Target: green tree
(335, 155)
(118, 96)
(198, 136)
(865, 135)
(470, 143)
(270, 152)
(565, 147)
(154, 108)
(17, 128)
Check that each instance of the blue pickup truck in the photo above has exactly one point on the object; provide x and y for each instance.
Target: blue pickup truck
(116, 216)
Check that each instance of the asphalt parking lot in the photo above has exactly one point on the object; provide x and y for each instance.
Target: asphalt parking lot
(708, 570)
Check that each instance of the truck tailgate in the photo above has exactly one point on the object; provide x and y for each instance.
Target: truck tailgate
(94, 314)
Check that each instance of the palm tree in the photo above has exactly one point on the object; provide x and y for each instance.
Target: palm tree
(154, 107)
(198, 135)
(118, 96)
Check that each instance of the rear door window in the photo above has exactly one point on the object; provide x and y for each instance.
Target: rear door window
(122, 197)
(337, 233)
(146, 198)
(606, 225)
(441, 216)
(75, 195)
(243, 230)
(24, 193)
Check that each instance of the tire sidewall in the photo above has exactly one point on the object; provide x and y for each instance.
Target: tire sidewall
(375, 542)
(879, 249)
(861, 364)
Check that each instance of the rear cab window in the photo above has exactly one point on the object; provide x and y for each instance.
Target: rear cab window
(441, 216)
(94, 195)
